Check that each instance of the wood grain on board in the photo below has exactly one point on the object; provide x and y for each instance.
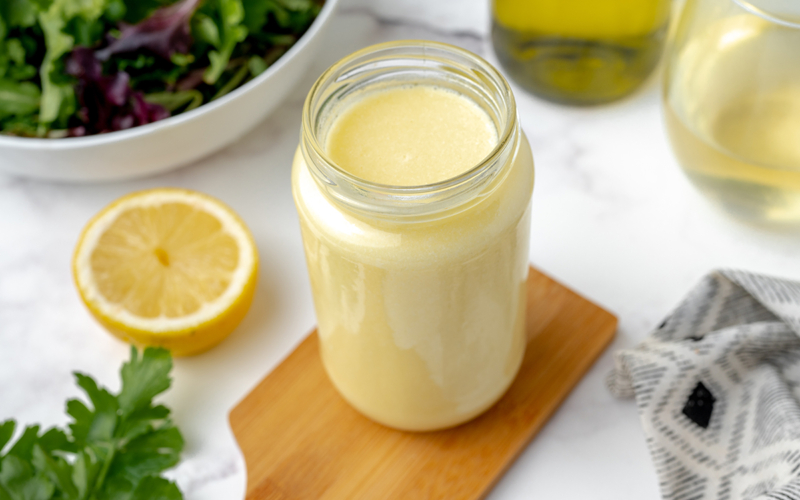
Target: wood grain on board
(301, 440)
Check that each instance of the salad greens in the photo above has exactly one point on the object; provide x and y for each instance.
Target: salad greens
(115, 450)
(78, 67)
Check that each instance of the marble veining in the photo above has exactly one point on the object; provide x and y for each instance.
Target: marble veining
(613, 217)
(410, 23)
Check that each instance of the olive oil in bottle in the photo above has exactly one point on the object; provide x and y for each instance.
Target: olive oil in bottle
(579, 51)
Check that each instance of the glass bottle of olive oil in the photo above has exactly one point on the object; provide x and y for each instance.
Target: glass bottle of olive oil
(579, 51)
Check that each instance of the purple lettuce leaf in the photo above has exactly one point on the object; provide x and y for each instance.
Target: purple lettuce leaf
(165, 32)
(107, 102)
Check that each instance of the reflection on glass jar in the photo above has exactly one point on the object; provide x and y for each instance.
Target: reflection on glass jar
(579, 51)
(413, 184)
(732, 105)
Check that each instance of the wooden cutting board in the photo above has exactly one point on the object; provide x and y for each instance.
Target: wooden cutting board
(302, 441)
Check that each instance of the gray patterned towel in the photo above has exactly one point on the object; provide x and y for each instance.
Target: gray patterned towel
(717, 386)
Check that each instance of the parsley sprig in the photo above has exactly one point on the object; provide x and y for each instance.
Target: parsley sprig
(114, 449)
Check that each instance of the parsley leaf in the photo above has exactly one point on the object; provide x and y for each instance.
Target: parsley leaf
(6, 431)
(115, 448)
(142, 379)
(19, 480)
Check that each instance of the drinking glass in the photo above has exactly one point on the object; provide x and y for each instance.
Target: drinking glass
(732, 105)
(579, 51)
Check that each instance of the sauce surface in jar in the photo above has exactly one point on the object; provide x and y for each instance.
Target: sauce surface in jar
(410, 136)
(421, 321)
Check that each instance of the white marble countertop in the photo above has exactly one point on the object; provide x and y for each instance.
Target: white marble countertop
(613, 218)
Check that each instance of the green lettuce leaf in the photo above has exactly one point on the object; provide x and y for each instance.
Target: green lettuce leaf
(58, 98)
(18, 98)
(231, 32)
(18, 13)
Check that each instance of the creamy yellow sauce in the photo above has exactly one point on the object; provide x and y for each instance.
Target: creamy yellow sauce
(410, 136)
(421, 325)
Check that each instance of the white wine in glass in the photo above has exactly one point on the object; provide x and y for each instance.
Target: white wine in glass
(732, 106)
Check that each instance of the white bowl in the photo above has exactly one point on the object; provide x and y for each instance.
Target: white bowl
(169, 143)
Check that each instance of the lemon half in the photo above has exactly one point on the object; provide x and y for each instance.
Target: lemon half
(167, 267)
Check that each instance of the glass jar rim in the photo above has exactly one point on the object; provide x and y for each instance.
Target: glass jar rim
(767, 14)
(412, 197)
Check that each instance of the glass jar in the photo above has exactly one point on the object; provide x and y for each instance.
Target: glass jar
(579, 51)
(419, 291)
(732, 105)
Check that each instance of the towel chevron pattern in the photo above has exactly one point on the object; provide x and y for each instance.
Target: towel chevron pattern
(717, 386)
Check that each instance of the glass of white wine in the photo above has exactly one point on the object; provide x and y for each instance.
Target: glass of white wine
(732, 105)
